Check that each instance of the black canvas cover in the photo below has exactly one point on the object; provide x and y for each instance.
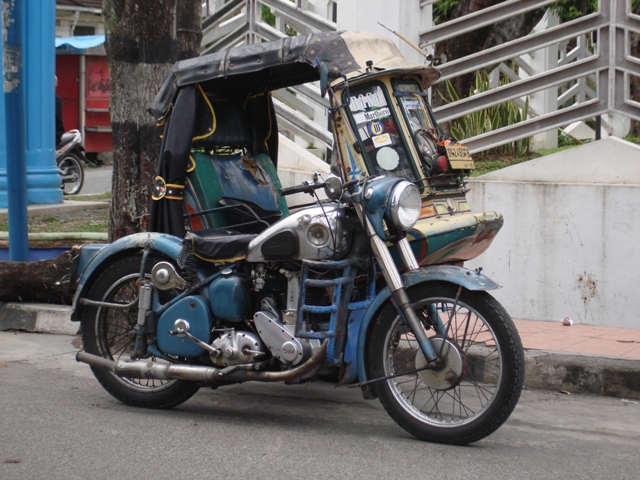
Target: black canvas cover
(285, 62)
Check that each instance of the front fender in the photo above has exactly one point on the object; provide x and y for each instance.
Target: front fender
(463, 277)
(91, 267)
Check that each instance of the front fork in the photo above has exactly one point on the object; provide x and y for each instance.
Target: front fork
(399, 292)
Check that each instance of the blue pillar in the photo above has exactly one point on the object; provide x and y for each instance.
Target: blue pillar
(15, 131)
(43, 178)
(38, 87)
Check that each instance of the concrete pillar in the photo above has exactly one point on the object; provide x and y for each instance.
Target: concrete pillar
(37, 72)
(43, 179)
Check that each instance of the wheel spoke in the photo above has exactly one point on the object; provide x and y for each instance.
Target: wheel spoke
(117, 328)
(475, 390)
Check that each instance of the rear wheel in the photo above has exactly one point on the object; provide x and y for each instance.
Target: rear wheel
(111, 333)
(479, 383)
(72, 174)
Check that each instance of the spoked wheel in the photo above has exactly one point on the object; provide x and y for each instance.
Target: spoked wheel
(478, 382)
(72, 174)
(111, 333)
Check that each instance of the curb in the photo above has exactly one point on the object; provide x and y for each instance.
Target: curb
(567, 373)
(557, 371)
(37, 318)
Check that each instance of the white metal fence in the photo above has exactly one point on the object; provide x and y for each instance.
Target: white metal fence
(588, 81)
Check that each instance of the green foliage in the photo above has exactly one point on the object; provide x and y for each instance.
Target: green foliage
(489, 119)
(633, 139)
(267, 16)
(571, 9)
(270, 18)
(443, 10)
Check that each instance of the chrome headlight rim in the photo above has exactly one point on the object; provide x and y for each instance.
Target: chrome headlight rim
(405, 203)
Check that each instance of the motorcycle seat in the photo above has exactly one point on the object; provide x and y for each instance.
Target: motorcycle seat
(67, 137)
(220, 246)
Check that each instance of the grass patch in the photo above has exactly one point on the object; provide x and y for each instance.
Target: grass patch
(89, 220)
(490, 163)
(99, 197)
(633, 139)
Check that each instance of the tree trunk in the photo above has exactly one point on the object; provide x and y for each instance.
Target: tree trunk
(461, 46)
(482, 39)
(144, 39)
(36, 281)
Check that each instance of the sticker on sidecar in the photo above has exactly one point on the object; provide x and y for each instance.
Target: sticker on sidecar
(459, 157)
(376, 128)
(381, 140)
(363, 117)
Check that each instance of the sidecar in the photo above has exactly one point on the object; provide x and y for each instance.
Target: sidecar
(219, 155)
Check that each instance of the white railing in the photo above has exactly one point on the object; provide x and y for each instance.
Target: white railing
(301, 110)
(608, 67)
(590, 80)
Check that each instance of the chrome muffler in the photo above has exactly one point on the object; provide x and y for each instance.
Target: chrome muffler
(199, 373)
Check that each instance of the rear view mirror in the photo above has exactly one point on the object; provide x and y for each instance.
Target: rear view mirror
(324, 78)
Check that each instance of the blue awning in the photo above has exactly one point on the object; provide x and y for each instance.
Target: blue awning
(78, 44)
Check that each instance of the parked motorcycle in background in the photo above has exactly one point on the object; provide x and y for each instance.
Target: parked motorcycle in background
(70, 159)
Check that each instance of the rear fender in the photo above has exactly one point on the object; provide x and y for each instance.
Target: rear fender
(95, 258)
(463, 277)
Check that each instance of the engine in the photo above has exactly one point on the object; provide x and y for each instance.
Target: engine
(185, 335)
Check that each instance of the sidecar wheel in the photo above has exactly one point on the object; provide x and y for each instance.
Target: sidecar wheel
(481, 380)
(110, 333)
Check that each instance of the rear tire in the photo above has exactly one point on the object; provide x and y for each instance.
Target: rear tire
(480, 383)
(110, 333)
(71, 166)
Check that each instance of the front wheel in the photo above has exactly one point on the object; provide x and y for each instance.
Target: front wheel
(72, 174)
(480, 378)
(111, 333)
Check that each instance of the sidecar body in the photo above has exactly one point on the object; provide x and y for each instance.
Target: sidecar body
(219, 154)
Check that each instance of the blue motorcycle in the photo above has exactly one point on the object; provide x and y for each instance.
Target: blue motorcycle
(363, 283)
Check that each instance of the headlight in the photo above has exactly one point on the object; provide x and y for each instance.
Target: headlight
(405, 205)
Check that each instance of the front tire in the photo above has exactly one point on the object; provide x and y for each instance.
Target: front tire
(478, 387)
(111, 333)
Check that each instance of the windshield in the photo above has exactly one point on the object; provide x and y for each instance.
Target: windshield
(414, 106)
(376, 127)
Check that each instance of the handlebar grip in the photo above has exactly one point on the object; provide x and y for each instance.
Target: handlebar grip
(304, 188)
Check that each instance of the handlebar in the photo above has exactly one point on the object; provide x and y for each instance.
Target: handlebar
(305, 187)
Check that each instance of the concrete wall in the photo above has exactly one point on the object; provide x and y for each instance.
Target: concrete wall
(570, 243)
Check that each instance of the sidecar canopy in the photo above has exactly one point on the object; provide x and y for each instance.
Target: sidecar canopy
(222, 100)
(263, 67)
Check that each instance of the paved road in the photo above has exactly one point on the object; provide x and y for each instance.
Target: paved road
(96, 180)
(57, 422)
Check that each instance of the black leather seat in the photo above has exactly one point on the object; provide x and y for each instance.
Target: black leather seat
(221, 246)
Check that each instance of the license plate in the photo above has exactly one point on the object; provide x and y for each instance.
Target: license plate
(459, 157)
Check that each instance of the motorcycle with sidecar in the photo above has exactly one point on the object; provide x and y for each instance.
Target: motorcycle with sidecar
(363, 283)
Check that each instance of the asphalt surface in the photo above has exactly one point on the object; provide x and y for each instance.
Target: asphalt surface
(58, 423)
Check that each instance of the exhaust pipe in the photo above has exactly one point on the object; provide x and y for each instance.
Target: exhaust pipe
(199, 373)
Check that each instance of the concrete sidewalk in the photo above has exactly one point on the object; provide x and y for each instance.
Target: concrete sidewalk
(569, 359)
